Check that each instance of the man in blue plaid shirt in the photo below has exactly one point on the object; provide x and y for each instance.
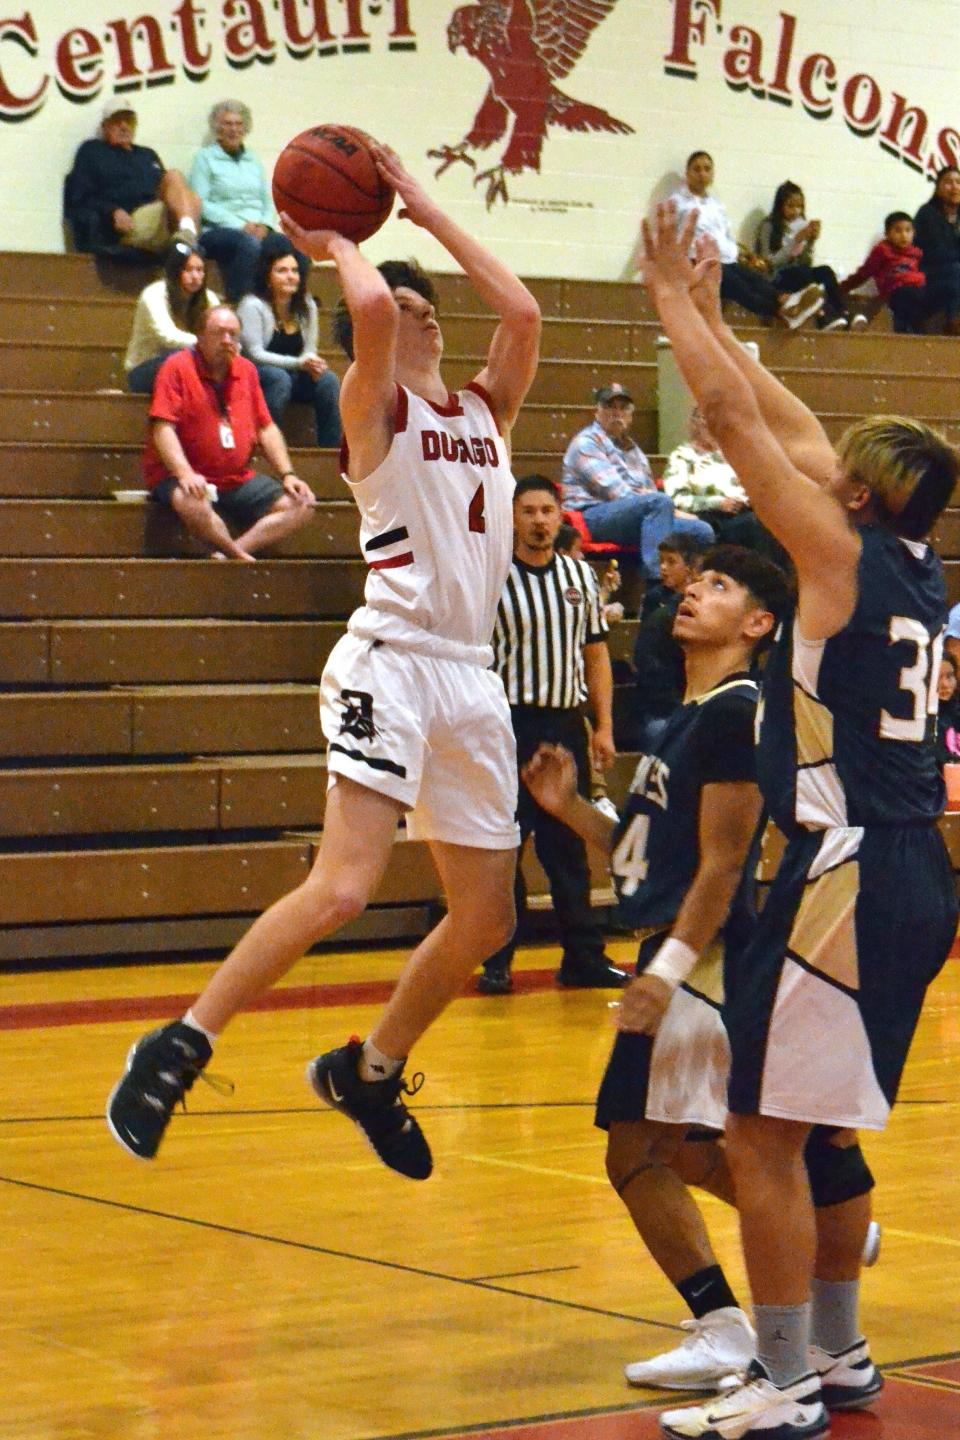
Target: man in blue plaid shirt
(607, 477)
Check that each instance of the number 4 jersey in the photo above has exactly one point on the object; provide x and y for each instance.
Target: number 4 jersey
(656, 849)
(846, 726)
(436, 526)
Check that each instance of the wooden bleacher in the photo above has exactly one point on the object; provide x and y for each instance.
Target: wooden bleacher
(164, 774)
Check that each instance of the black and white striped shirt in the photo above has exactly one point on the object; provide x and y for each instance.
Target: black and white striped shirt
(545, 617)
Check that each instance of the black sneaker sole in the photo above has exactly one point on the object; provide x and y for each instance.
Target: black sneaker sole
(110, 1099)
(839, 1398)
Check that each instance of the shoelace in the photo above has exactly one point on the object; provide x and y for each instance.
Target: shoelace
(415, 1083)
(179, 1080)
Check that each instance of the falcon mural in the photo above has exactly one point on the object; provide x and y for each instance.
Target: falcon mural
(524, 45)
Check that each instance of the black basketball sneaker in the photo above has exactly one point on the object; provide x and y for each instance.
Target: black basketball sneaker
(375, 1107)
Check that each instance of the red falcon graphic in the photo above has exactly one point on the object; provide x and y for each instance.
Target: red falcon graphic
(524, 45)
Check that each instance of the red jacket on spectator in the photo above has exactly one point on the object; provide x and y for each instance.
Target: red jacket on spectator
(890, 267)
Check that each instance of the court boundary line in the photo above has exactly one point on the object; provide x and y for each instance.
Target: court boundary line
(325, 1250)
(486, 1427)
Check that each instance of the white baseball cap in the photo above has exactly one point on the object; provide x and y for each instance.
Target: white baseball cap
(117, 106)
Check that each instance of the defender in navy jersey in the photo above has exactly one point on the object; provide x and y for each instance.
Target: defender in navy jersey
(862, 911)
(677, 859)
(416, 723)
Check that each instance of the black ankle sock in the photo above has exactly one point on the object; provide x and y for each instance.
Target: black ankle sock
(707, 1290)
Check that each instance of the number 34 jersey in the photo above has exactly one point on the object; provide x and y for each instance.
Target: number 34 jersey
(656, 849)
(846, 724)
(436, 526)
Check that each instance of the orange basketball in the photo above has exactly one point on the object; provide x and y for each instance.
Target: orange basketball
(326, 179)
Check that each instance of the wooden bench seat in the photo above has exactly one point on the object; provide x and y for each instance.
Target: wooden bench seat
(160, 720)
(172, 589)
(74, 528)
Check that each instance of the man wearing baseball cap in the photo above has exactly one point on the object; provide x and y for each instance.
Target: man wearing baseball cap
(607, 477)
(120, 194)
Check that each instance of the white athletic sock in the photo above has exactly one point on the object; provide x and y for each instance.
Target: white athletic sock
(836, 1314)
(374, 1065)
(194, 1024)
(188, 223)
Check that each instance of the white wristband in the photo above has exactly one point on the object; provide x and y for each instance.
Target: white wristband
(673, 962)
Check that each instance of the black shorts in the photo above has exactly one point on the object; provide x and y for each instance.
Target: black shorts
(679, 1075)
(822, 1005)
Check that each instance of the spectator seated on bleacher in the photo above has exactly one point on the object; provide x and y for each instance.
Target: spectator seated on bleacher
(699, 481)
(280, 331)
(895, 267)
(119, 196)
(236, 206)
(607, 478)
(785, 243)
(937, 233)
(168, 315)
(739, 282)
(206, 417)
(948, 712)
(657, 658)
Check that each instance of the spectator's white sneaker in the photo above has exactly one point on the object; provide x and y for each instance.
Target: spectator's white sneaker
(756, 1410)
(871, 1246)
(858, 321)
(848, 1381)
(718, 1345)
(799, 306)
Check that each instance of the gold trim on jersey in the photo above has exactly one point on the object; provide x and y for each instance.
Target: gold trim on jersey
(824, 931)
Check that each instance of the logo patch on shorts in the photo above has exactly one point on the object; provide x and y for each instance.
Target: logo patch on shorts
(357, 719)
(572, 595)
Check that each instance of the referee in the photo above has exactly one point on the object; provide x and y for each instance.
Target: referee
(550, 650)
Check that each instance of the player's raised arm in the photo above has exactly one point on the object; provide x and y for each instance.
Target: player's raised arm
(368, 389)
(808, 520)
(514, 351)
(799, 432)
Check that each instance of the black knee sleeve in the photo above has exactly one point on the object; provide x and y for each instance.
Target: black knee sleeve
(836, 1173)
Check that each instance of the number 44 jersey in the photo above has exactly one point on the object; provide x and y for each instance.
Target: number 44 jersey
(656, 849)
(846, 724)
(436, 525)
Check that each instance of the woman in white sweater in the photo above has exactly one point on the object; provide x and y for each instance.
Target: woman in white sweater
(279, 328)
(168, 315)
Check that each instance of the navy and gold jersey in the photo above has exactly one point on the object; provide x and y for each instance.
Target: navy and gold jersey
(656, 850)
(846, 725)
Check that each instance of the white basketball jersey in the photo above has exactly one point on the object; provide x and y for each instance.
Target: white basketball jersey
(436, 526)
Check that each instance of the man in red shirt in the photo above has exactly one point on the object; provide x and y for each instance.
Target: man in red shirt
(207, 415)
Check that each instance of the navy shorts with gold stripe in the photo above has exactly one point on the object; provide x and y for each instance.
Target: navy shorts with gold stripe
(822, 1005)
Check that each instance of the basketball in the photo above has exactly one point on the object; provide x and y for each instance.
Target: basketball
(326, 179)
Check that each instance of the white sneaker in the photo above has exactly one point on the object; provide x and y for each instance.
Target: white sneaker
(839, 322)
(871, 1245)
(717, 1345)
(799, 306)
(858, 321)
(756, 1410)
(848, 1381)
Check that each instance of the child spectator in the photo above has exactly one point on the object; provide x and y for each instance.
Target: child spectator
(785, 242)
(168, 316)
(657, 658)
(894, 267)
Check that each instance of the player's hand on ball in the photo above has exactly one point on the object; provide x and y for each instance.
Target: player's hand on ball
(417, 205)
(315, 243)
(643, 1004)
(551, 777)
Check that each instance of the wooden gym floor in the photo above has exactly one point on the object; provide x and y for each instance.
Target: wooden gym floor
(268, 1279)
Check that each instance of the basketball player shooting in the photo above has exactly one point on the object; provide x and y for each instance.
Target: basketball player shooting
(416, 723)
(862, 911)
